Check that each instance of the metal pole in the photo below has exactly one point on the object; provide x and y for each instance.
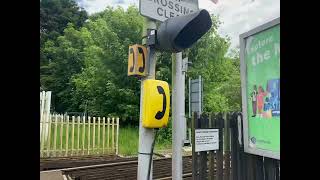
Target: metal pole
(189, 93)
(183, 100)
(146, 136)
(200, 95)
(178, 115)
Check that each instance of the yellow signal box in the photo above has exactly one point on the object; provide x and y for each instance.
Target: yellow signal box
(137, 60)
(155, 104)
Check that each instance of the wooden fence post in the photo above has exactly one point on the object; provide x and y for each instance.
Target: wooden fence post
(235, 166)
(99, 148)
(211, 174)
(270, 168)
(55, 135)
(83, 133)
(93, 134)
(243, 157)
(117, 137)
(226, 144)
(61, 134)
(112, 135)
(72, 136)
(88, 135)
(250, 166)
(278, 170)
(108, 137)
(203, 154)
(194, 154)
(42, 122)
(78, 136)
(255, 167)
(220, 123)
(49, 135)
(259, 165)
(103, 133)
(67, 136)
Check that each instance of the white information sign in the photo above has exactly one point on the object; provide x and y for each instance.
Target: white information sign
(206, 139)
(163, 9)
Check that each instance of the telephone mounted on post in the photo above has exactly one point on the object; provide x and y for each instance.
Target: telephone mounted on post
(137, 60)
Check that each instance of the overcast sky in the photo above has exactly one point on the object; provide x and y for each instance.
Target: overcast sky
(238, 16)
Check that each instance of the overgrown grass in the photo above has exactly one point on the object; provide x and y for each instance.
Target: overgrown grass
(129, 141)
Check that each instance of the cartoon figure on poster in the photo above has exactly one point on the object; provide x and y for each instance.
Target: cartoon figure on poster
(274, 89)
(254, 100)
(266, 102)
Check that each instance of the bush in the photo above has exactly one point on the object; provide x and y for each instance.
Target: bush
(165, 134)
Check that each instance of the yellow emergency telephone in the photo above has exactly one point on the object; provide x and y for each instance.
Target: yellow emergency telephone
(155, 104)
(137, 60)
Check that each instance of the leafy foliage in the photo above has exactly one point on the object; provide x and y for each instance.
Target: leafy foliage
(56, 14)
(87, 69)
(60, 49)
(221, 74)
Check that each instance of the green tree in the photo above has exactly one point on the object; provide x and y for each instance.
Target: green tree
(221, 73)
(103, 87)
(57, 64)
(56, 14)
(88, 67)
(66, 59)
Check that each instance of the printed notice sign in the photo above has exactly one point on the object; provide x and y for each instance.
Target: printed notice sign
(206, 139)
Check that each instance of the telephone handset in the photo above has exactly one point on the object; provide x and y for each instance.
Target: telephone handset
(132, 52)
(160, 114)
(141, 69)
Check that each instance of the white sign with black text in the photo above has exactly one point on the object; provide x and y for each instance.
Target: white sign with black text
(163, 9)
(206, 139)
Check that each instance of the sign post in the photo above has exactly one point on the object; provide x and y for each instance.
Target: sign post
(260, 83)
(178, 115)
(146, 135)
(174, 35)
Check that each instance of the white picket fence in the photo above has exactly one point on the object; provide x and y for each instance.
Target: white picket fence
(76, 136)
